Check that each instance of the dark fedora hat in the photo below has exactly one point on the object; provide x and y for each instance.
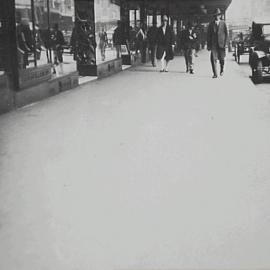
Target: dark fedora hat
(217, 11)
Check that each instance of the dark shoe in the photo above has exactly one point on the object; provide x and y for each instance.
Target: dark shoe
(191, 71)
(214, 76)
(162, 70)
(221, 73)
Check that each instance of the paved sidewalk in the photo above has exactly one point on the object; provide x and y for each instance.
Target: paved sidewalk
(142, 170)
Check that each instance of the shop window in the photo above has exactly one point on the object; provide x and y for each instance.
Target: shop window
(83, 40)
(107, 19)
(43, 34)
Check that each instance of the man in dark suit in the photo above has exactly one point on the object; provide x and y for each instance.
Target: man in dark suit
(165, 43)
(189, 39)
(119, 38)
(217, 37)
(152, 41)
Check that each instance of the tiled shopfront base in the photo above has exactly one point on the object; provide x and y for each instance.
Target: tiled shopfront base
(46, 89)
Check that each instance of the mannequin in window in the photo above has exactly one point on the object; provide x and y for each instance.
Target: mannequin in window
(103, 42)
(25, 40)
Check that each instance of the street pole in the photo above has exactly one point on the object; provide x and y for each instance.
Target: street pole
(49, 35)
(34, 31)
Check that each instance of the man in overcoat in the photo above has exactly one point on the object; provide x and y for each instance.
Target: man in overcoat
(217, 37)
(165, 44)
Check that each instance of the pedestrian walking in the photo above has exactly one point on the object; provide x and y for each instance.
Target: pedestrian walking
(152, 42)
(119, 38)
(189, 40)
(217, 37)
(141, 37)
(165, 44)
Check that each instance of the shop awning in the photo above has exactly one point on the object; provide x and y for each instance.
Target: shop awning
(185, 7)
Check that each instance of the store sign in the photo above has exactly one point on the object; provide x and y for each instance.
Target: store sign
(33, 76)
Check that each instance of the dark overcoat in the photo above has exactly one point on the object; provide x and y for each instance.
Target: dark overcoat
(189, 39)
(164, 43)
(217, 35)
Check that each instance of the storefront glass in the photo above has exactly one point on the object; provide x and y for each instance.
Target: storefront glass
(107, 14)
(44, 30)
(83, 35)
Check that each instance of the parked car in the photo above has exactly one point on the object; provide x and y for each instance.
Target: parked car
(259, 58)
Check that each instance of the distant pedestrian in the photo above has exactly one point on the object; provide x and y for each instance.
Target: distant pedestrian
(132, 39)
(152, 42)
(217, 37)
(119, 38)
(165, 44)
(189, 40)
(141, 37)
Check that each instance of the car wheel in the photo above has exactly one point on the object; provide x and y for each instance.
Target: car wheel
(258, 73)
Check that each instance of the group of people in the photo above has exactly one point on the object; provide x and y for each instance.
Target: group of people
(162, 47)
(161, 43)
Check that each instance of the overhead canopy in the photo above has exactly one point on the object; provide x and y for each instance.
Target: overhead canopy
(185, 7)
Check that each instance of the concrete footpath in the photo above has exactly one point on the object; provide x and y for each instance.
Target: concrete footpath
(142, 170)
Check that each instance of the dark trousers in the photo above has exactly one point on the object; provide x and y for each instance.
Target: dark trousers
(153, 52)
(143, 47)
(189, 58)
(217, 54)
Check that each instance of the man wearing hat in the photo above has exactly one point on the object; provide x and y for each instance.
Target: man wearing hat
(165, 43)
(217, 37)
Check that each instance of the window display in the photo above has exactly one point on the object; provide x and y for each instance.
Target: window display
(109, 33)
(43, 34)
(83, 40)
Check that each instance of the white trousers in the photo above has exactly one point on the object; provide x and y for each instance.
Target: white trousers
(164, 63)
